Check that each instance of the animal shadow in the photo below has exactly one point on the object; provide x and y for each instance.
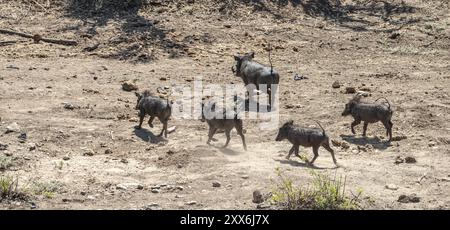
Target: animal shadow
(300, 164)
(147, 136)
(374, 141)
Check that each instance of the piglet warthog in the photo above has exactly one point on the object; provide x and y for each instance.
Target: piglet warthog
(209, 114)
(255, 73)
(155, 107)
(369, 113)
(305, 137)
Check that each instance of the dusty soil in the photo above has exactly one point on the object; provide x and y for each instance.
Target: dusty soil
(398, 51)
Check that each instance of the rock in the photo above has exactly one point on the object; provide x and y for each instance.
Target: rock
(179, 166)
(163, 79)
(363, 93)
(108, 151)
(83, 193)
(399, 160)
(345, 145)
(394, 35)
(408, 199)
(295, 49)
(257, 197)
(31, 146)
(171, 129)
(121, 187)
(410, 160)
(191, 202)
(431, 143)
(13, 127)
(125, 161)
(128, 86)
(391, 186)
(181, 188)
(22, 137)
(336, 84)
(153, 206)
(66, 158)
(155, 187)
(3, 147)
(69, 106)
(263, 206)
(216, 184)
(88, 152)
(154, 190)
(288, 106)
(133, 119)
(350, 90)
(170, 152)
(298, 78)
(399, 138)
(245, 176)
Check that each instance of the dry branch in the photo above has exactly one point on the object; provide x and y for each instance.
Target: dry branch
(37, 38)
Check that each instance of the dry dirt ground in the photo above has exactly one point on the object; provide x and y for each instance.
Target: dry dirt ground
(398, 51)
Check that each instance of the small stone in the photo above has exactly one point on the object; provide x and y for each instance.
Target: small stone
(3, 147)
(121, 187)
(128, 86)
(216, 184)
(179, 166)
(431, 143)
(336, 84)
(89, 152)
(409, 199)
(125, 161)
(22, 137)
(154, 191)
(171, 129)
(83, 193)
(69, 106)
(399, 160)
(153, 206)
(394, 35)
(66, 158)
(263, 206)
(108, 151)
(31, 146)
(170, 152)
(295, 49)
(391, 186)
(13, 127)
(163, 79)
(191, 203)
(350, 90)
(181, 188)
(245, 176)
(257, 197)
(410, 160)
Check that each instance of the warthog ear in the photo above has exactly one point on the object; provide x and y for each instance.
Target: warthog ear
(237, 58)
(137, 94)
(252, 54)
